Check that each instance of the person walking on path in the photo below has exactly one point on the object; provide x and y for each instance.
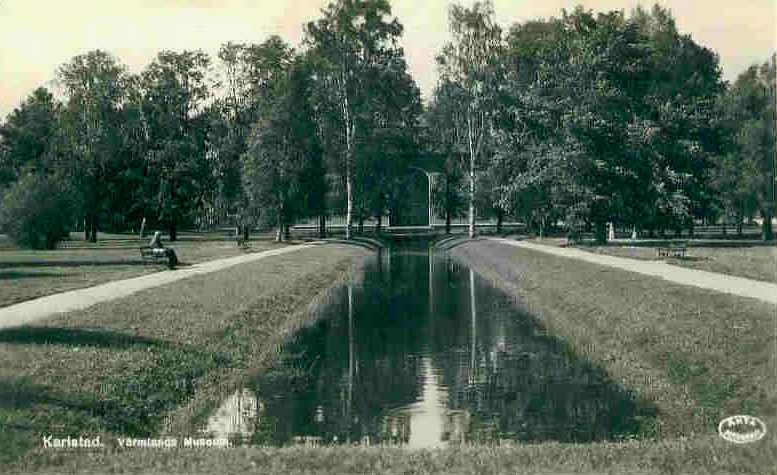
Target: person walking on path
(159, 248)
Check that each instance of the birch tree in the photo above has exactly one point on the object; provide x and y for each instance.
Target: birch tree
(351, 43)
(470, 63)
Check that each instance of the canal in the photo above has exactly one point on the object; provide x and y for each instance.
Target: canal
(422, 352)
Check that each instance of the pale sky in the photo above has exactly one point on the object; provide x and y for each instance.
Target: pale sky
(36, 36)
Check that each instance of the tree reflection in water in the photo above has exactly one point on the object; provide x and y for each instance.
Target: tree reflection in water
(423, 352)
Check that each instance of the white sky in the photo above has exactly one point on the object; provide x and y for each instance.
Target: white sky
(36, 36)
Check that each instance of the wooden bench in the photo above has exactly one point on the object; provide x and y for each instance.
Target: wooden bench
(674, 249)
(150, 256)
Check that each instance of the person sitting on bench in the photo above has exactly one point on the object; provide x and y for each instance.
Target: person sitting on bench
(159, 248)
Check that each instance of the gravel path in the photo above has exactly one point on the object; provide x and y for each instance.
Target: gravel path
(31, 310)
(698, 278)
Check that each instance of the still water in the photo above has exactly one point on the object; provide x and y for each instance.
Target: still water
(422, 352)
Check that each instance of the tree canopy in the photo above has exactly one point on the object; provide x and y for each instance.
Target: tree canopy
(577, 121)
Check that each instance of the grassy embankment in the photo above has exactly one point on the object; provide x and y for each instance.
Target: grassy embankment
(698, 355)
(750, 259)
(27, 274)
(159, 358)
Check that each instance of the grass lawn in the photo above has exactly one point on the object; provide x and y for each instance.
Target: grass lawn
(697, 354)
(681, 457)
(157, 360)
(28, 274)
(112, 240)
(748, 258)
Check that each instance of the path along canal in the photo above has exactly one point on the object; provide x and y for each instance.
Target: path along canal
(421, 351)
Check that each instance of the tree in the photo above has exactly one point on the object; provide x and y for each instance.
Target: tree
(600, 121)
(315, 187)
(470, 64)
(598, 81)
(747, 173)
(7, 173)
(448, 193)
(28, 135)
(137, 178)
(353, 44)
(94, 84)
(249, 72)
(537, 165)
(37, 210)
(230, 126)
(680, 131)
(391, 126)
(174, 92)
(280, 166)
(442, 137)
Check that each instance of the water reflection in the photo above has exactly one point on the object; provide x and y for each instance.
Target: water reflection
(237, 415)
(423, 352)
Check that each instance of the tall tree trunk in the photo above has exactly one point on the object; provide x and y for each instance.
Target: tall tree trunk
(348, 195)
(499, 217)
(472, 197)
(350, 132)
(93, 228)
(379, 226)
(361, 224)
(279, 230)
(322, 225)
(767, 233)
(447, 222)
(600, 232)
(287, 232)
(173, 229)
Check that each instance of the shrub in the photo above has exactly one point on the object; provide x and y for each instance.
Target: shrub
(36, 211)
